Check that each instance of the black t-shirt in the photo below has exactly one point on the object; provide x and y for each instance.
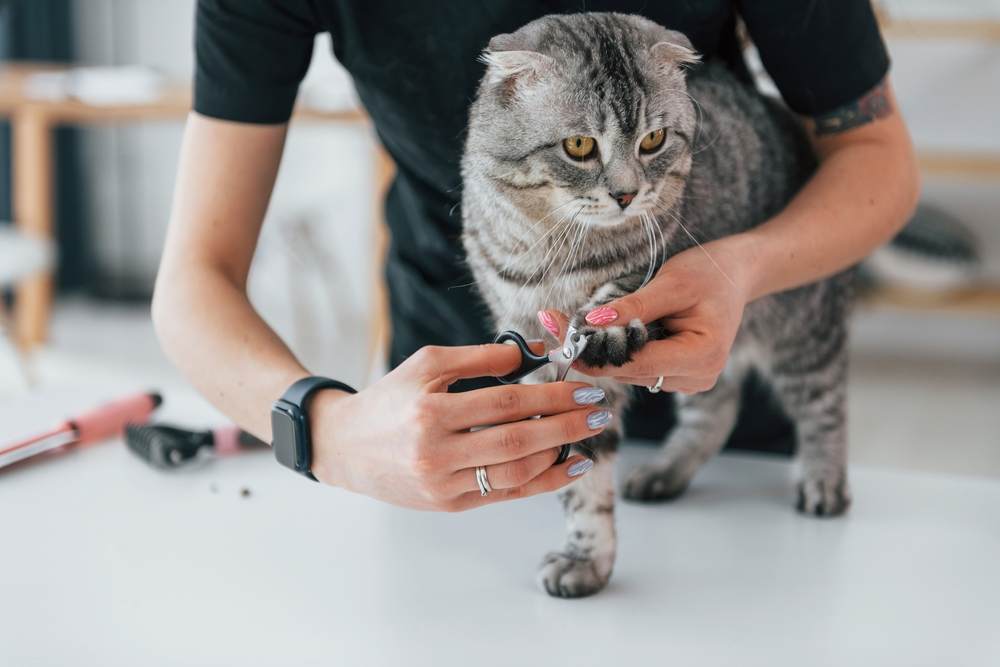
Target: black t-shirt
(414, 64)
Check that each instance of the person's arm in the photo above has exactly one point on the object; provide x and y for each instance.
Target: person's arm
(863, 192)
(405, 439)
(204, 320)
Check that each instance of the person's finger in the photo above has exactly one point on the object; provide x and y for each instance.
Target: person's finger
(685, 353)
(553, 479)
(445, 365)
(510, 442)
(498, 405)
(660, 298)
(505, 475)
(555, 323)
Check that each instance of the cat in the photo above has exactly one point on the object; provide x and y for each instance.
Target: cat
(575, 116)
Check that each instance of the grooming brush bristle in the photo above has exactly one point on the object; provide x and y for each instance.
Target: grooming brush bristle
(140, 439)
(163, 446)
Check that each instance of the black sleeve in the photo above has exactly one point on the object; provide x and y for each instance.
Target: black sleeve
(822, 54)
(250, 56)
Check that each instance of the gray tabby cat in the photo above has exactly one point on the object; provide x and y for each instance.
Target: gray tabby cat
(586, 151)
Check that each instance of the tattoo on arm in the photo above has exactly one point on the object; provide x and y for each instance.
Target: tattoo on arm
(871, 106)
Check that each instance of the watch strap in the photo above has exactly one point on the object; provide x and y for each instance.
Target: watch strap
(298, 395)
(301, 390)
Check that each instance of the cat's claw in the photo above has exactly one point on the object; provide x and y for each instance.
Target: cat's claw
(565, 576)
(823, 495)
(611, 345)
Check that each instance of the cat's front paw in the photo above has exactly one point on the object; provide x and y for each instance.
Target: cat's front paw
(823, 493)
(611, 345)
(563, 575)
(660, 481)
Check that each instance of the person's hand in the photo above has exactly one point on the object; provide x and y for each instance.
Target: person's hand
(405, 440)
(700, 305)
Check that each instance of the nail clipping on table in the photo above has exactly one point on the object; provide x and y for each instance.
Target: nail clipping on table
(602, 315)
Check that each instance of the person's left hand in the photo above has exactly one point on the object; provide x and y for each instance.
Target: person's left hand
(700, 305)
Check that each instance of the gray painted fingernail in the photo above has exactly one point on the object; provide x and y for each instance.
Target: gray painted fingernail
(580, 467)
(588, 395)
(598, 419)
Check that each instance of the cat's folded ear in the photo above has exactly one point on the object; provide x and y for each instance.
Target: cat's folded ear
(673, 49)
(511, 65)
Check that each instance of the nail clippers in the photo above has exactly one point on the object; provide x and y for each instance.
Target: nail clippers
(563, 357)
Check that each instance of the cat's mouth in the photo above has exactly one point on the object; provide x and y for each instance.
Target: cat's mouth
(610, 218)
(614, 216)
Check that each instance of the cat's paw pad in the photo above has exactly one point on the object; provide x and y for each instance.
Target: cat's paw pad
(565, 576)
(823, 495)
(657, 482)
(611, 345)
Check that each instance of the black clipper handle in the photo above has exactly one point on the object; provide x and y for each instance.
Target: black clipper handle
(529, 360)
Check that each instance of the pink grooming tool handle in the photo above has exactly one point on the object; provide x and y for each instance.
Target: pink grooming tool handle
(226, 440)
(109, 420)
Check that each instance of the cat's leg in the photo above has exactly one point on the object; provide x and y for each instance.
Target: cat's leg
(613, 345)
(704, 422)
(814, 396)
(583, 565)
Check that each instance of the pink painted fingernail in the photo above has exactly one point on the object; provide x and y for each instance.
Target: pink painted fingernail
(602, 315)
(549, 323)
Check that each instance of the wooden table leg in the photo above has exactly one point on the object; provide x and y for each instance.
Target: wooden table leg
(33, 213)
(383, 172)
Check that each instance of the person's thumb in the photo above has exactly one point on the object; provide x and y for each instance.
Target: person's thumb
(649, 304)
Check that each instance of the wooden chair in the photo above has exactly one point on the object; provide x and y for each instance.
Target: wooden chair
(21, 257)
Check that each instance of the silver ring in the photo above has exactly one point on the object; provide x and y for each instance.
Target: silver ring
(483, 481)
(655, 389)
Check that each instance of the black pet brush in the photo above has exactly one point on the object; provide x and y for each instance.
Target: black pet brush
(166, 447)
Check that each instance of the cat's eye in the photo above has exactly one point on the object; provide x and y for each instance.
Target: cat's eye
(579, 147)
(652, 140)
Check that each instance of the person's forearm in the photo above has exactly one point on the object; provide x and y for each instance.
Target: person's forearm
(860, 196)
(209, 330)
(204, 321)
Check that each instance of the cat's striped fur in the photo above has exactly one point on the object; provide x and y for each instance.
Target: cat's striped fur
(543, 231)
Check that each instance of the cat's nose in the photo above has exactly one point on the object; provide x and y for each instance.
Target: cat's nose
(623, 198)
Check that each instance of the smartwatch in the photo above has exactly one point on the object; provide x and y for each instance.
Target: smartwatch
(291, 440)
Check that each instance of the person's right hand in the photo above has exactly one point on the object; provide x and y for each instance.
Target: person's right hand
(405, 440)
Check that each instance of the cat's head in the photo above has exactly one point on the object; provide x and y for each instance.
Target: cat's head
(589, 112)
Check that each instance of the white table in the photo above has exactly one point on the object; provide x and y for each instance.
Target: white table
(106, 562)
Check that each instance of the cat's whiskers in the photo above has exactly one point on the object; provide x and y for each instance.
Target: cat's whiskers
(643, 217)
(663, 238)
(667, 208)
(655, 225)
(573, 249)
(561, 206)
(676, 218)
(565, 225)
(534, 245)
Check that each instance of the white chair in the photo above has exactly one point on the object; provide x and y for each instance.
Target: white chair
(20, 257)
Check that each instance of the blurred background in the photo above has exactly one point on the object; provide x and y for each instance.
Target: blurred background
(93, 95)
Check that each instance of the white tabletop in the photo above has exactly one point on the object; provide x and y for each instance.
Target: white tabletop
(104, 561)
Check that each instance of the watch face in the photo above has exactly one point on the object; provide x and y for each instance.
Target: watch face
(284, 434)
